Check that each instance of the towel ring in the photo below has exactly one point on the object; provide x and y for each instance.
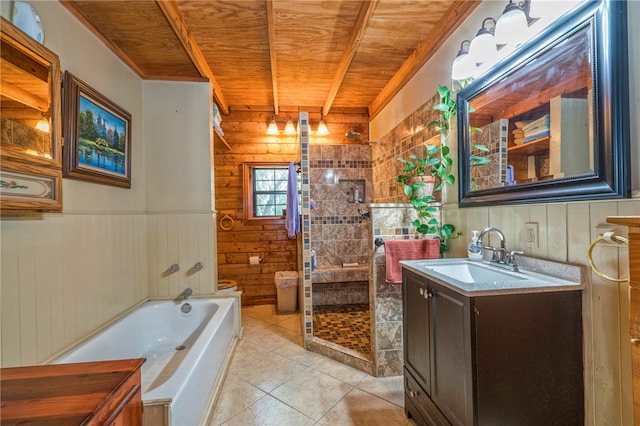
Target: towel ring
(608, 236)
(227, 222)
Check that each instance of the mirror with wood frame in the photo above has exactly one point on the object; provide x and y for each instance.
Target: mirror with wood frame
(554, 116)
(30, 123)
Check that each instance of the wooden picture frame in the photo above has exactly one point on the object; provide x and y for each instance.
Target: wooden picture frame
(97, 136)
(30, 187)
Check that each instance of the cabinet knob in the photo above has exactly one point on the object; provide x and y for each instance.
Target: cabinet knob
(412, 394)
(428, 294)
(421, 291)
(635, 341)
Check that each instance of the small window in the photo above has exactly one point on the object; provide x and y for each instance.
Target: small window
(265, 190)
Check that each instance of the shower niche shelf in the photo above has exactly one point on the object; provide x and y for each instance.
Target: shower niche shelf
(352, 190)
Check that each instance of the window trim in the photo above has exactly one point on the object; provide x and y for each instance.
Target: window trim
(247, 190)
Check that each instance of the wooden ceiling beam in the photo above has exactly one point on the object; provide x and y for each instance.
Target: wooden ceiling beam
(362, 21)
(179, 26)
(272, 54)
(449, 22)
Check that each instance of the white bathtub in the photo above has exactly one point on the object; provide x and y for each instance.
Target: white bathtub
(182, 380)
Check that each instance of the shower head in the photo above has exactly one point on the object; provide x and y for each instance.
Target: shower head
(352, 134)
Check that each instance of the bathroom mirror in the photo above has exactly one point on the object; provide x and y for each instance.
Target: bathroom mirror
(30, 129)
(554, 115)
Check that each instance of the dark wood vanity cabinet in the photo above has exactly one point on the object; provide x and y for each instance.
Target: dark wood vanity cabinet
(508, 359)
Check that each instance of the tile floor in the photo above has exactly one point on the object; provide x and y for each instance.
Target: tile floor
(345, 325)
(273, 380)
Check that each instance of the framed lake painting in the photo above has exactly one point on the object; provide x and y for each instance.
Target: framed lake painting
(97, 136)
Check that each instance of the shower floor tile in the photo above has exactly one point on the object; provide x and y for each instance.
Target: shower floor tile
(344, 325)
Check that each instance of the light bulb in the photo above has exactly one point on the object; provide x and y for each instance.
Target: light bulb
(322, 129)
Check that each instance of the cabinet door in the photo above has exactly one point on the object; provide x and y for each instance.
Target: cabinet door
(416, 328)
(451, 359)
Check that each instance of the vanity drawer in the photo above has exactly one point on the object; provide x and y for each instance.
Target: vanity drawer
(418, 405)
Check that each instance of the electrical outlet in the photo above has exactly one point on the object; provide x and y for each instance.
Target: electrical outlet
(531, 234)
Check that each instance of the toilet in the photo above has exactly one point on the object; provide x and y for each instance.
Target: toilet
(227, 285)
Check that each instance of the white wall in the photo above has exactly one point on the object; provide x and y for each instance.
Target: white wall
(64, 275)
(566, 229)
(177, 135)
(180, 221)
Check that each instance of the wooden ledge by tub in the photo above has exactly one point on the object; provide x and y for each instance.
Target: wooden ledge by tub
(88, 393)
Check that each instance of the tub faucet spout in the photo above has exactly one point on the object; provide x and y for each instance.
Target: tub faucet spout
(185, 293)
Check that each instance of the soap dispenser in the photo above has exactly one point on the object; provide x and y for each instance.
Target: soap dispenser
(475, 251)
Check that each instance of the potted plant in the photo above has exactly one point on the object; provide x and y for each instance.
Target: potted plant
(438, 166)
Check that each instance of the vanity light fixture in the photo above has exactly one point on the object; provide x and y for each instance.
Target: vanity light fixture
(512, 25)
(463, 66)
(273, 128)
(322, 129)
(43, 124)
(289, 128)
(483, 46)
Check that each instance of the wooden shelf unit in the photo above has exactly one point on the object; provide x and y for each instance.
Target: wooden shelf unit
(218, 136)
(530, 148)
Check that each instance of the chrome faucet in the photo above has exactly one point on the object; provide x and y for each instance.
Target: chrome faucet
(185, 294)
(500, 256)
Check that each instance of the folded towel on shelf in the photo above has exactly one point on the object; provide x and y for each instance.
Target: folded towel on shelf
(536, 136)
(518, 133)
(518, 141)
(543, 121)
(397, 250)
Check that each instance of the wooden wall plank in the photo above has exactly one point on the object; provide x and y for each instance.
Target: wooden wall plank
(245, 132)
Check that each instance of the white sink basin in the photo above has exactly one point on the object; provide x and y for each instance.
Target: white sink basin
(479, 278)
(469, 272)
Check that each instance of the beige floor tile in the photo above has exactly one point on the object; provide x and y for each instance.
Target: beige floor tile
(268, 411)
(252, 323)
(267, 372)
(273, 380)
(360, 408)
(273, 337)
(339, 371)
(312, 392)
(388, 388)
(299, 354)
(246, 353)
(292, 323)
(235, 396)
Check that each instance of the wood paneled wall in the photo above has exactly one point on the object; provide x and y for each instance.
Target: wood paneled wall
(245, 133)
(65, 275)
(183, 239)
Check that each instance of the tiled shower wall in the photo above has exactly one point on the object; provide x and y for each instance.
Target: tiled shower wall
(340, 226)
(403, 140)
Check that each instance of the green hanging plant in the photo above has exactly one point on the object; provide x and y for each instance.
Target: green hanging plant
(438, 164)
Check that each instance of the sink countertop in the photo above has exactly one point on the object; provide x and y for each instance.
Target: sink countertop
(527, 281)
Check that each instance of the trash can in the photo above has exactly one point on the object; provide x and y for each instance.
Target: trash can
(287, 291)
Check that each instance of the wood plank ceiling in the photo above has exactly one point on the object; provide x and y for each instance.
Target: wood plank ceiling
(269, 55)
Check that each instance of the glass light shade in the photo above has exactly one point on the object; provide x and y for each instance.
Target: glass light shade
(463, 67)
(273, 128)
(483, 48)
(511, 26)
(289, 128)
(539, 8)
(322, 129)
(43, 125)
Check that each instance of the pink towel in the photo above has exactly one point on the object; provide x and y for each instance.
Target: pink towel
(397, 250)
